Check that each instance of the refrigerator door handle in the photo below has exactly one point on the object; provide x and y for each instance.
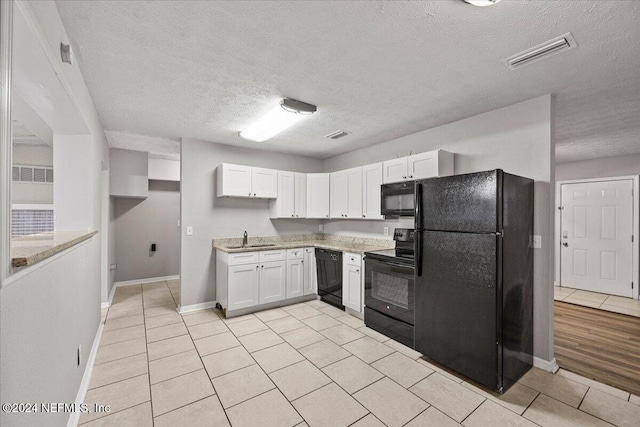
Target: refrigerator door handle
(417, 243)
(418, 206)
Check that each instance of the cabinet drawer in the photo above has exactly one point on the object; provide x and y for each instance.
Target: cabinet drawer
(352, 259)
(296, 253)
(243, 258)
(277, 255)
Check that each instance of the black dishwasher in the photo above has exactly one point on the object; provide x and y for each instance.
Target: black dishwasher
(329, 268)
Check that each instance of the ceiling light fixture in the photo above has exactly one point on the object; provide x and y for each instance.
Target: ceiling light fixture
(285, 115)
(482, 2)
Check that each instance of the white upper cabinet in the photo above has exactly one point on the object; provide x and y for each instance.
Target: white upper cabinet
(346, 193)
(371, 182)
(318, 195)
(246, 181)
(292, 196)
(418, 166)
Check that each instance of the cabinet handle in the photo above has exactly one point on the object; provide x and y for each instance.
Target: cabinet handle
(291, 215)
(302, 261)
(327, 216)
(404, 177)
(262, 267)
(357, 271)
(249, 194)
(364, 216)
(254, 194)
(410, 176)
(257, 266)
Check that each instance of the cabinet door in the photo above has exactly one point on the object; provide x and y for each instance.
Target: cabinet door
(272, 281)
(234, 181)
(295, 278)
(318, 195)
(351, 287)
(354, 193)
(300, 195)
(310, 275)
(264, 183)
(423, 165)
(394, 170)
(371, 182)
(283, 206)
(339, 194)
(243, 286)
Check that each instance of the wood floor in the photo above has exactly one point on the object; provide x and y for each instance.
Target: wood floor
(598, 344)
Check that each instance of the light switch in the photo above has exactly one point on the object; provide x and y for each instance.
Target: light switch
(189, 231)
(537, 242)
(386, 231)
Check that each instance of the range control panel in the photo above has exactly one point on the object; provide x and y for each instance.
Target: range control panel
(403, 234)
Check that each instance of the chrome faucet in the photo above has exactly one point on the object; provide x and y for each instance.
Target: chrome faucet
(245, 239)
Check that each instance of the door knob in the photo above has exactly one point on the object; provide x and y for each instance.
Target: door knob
(565, 244)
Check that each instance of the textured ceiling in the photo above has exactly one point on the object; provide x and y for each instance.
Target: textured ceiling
(379, 70)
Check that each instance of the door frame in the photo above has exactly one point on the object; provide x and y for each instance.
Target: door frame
(635, 255)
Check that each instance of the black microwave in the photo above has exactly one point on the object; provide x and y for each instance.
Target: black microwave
(397, 199)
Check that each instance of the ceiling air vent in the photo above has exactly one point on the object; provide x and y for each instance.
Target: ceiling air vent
(544, 50)
(337, 134)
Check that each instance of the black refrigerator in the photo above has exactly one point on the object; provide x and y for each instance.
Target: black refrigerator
(474, 275)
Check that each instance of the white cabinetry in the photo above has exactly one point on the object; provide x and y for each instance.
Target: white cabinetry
(352, 281)
(318, 195)
(246, 181)
(419, 166)
(371, 182)
(346, 193)
(295, 278)
(272, 281)
(292, 196)
(129, 174)
(310, 275)
(243, 286)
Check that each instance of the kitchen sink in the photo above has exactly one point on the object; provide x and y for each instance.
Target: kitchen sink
(251, 246)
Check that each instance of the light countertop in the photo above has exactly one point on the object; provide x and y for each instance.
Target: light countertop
(27, 250)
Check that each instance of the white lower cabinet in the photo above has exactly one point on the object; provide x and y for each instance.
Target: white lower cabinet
(272, 282)
(243, 285)
(310, 275)
(352, 281)
(295, 278)
(250, 279)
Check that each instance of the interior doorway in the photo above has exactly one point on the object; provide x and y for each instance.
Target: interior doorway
(597, 236)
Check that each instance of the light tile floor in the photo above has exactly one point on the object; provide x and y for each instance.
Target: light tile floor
(606, 302)
(306, 364)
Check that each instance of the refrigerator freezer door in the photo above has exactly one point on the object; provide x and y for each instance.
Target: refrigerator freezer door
(462, 202)
(456, 308)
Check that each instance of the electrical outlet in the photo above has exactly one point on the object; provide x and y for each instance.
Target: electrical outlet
(113, 267)
(386, 231)
(189, 231)
(321, 227)
(178, 223)
(80, 355)
(537, 242)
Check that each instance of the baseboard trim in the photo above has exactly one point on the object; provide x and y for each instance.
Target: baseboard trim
(143, 281)
(195, 307)
(546, 365)
(74, 418)
(111, 294)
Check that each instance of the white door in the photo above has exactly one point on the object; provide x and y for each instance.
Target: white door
(339, 194)
(310, 275)
(264, 183)
(423, 165)
(295, 278)
(596, 236)
(236, 181)
(351, 288)
(286, 195)
(243, 286)
(371, 182)
(318, 195)
(272, 281)
(354, 193)
(394, 170)
(300, 195)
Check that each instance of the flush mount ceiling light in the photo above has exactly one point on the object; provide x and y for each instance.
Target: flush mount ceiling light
(285, 115)
(482, 2)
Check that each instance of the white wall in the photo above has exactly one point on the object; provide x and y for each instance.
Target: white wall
(163, 169)
(213, 217)
(49, 309)
(74, 192)
(599, 168)
(139, 223)
(26, 192)
(517, 139)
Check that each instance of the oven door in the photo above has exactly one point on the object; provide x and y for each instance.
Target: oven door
(389, 289)
(397, 199)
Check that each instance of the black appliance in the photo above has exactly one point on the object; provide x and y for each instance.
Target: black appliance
(397, 199)
(474, 284)
(329, 269)
(389, 288)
